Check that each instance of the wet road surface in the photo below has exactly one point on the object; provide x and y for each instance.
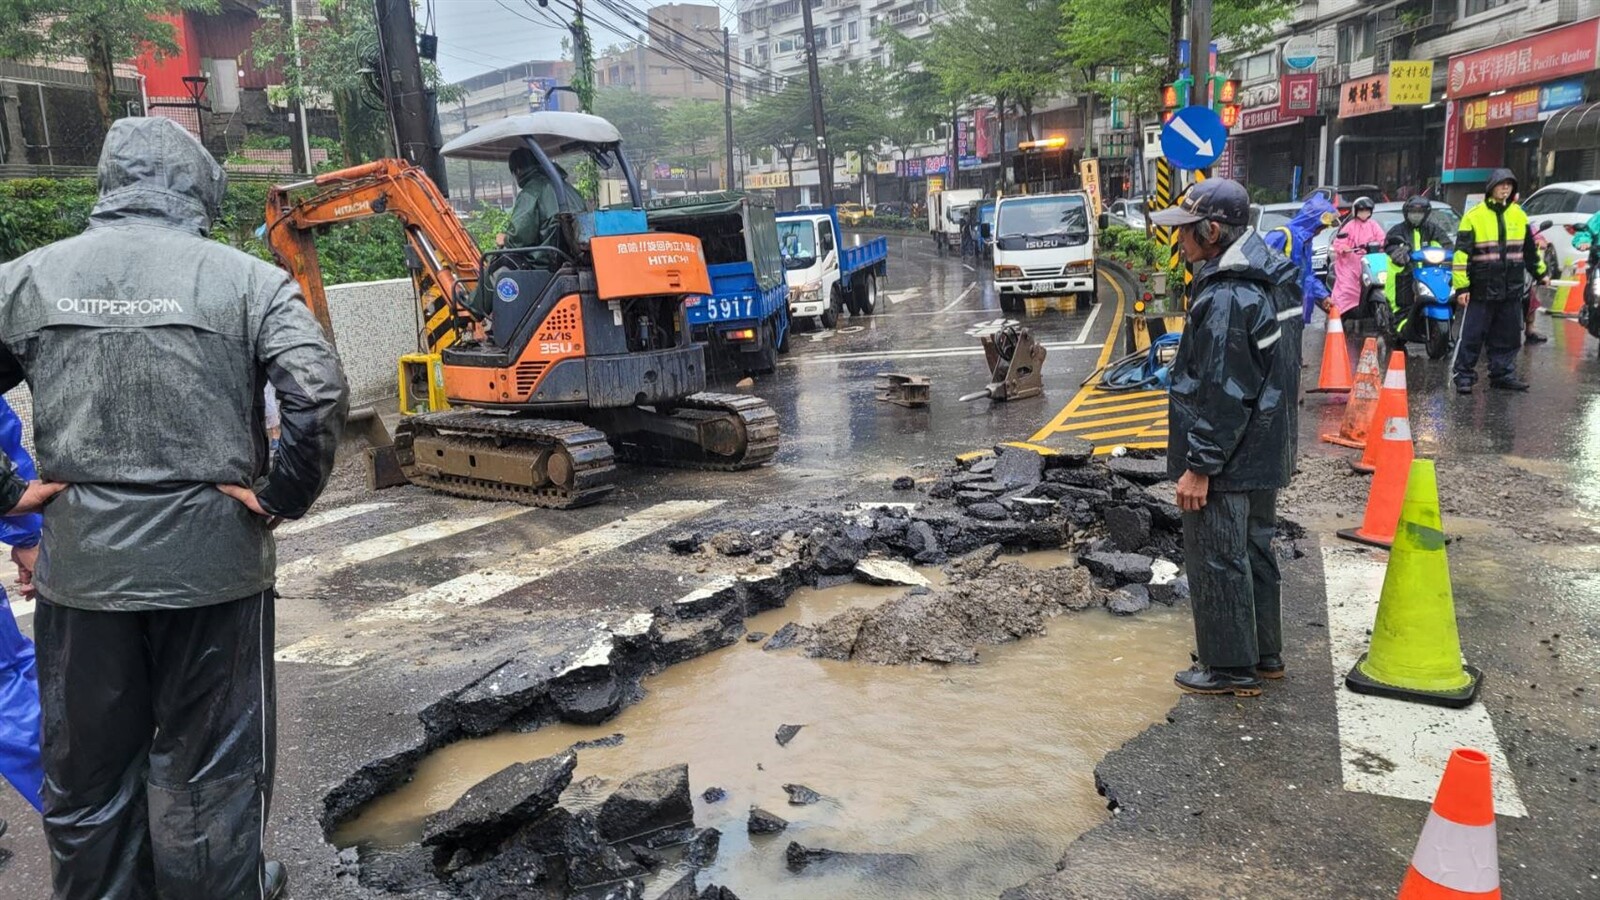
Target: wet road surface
(395, 599)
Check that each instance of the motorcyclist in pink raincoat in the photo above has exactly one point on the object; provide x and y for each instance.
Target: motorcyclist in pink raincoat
(1349, 246)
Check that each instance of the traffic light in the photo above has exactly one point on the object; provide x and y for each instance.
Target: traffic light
(1176, 94)
(1230, 115)
(1228, 92)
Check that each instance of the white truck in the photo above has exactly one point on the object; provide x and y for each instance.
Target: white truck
(1044, 247)
(944, 217)
(827, 276)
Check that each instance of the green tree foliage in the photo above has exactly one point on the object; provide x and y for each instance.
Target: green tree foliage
(1135, 38)
(855, 104)
(101, 32)
(694, 132)
(1008, 50)
(39, 211)
(337, 56)
(639, 118)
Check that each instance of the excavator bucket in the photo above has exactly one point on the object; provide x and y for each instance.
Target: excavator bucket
(910, 391)
(1015, 363)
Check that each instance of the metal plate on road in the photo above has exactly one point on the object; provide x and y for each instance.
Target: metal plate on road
(1194, 138)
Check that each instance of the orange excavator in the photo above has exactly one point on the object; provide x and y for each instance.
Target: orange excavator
(555, 360)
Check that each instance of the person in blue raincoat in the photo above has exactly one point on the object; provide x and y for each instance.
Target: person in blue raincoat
(19, 685)
(1295, 242)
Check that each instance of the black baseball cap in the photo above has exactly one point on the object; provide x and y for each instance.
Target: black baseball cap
(1215, 199)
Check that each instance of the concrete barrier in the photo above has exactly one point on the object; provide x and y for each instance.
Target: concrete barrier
(373, 323)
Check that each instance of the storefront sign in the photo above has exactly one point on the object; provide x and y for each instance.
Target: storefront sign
(1364, 96)
(981, 126)
(910, 168)
(1468, 155)
(1089, 171)
(1544, 57)
(884, 167)
(935, 165)
(1560, 95)
(1227, 165)
(1411, 82)
(766, 180)
(1262, 118)
(1300, 53)
(1299, 96)
(1502, 111)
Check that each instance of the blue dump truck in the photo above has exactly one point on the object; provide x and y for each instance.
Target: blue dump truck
(744, 321)
(826, 277)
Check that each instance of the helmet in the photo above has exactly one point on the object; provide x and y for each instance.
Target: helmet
(1362, 203)
(1416, 209)
(1216, 199)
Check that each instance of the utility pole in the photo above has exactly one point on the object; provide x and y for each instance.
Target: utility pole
(1200, 50)
(413, 112)
(302, 144)
(824, 158)
(727, 103)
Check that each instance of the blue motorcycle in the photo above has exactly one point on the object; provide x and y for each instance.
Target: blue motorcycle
(1433, 314)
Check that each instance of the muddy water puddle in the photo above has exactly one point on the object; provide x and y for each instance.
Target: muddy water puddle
(982, 773)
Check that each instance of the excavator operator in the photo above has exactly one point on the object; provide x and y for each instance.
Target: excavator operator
(533, 215)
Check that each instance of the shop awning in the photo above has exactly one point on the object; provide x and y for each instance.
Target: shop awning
(1573, 128)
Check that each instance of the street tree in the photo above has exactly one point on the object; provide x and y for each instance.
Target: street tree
(780, 120)
(639, 118)
(101, 32)
(1008, 50)
(337, 58)
(693, 132)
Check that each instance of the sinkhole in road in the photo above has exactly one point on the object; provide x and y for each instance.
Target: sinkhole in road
(983, 773)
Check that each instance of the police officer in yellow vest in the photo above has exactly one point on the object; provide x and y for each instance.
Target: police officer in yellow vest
(1495, 251)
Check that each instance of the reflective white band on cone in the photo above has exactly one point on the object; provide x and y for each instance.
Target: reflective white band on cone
(1459, 857)
(1396, 428)
(1395, 378)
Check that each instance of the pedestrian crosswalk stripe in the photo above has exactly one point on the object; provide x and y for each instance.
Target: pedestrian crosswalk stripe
(385, 544)
(352, 643)
(1386, 746)
(329, 517)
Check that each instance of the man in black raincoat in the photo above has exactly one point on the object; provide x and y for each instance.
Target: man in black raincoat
(148, 347)
(1233, 425)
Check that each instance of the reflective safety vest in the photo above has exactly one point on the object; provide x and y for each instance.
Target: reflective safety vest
(1494, 251)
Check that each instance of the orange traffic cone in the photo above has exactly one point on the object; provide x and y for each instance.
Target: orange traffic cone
(1458, 854)
(1363, 400)
(1335, 376)
(1388, 490)
(1392, 402)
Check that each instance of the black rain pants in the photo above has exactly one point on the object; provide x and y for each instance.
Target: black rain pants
(159, 735)
(1234, 584)
(1497, 323)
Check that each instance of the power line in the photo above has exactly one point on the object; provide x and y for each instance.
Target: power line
(703, 67)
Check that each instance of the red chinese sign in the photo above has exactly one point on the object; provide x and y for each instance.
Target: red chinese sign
(1503, 111)
(1261, 118)
(1298, 96)
(1469, 149)
(1563, 51)
(1364, 96)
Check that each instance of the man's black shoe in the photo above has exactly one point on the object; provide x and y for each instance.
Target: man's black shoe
(1270, 666)
(1534, 337)
(277, 879)
(1509, 383)
(1463, 387)
(1202, 679)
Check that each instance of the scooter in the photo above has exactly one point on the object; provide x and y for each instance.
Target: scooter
(1434, 302)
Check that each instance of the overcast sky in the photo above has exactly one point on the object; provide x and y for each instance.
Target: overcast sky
(479, 35)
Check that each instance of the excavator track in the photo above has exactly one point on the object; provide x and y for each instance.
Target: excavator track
(754, 421)
(537, 462)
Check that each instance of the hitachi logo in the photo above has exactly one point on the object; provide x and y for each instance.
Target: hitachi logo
(95, 307)
(347, 209)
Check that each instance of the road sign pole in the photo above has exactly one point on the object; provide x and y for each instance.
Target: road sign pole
(1200, 53)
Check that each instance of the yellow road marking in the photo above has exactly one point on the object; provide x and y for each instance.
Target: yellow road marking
(1160, 404)
(1149, 418)
(1116, 432)
(1101, 399)
(1105, 357)
(1146, 445)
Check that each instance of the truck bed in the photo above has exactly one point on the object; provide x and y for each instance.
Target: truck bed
(870, 254)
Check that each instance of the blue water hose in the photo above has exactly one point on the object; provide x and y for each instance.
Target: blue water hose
(1143, 369)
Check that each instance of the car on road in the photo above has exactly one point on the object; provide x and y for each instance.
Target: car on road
(1389, 215)
(1566, 205)
(853, 213)
(893, 208)
(1128, 212)
(1276, 215)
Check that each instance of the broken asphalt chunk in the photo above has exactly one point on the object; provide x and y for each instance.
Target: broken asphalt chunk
(786, 734)
(494, 808)
(800, 795)
(763, 822)
(647, 802)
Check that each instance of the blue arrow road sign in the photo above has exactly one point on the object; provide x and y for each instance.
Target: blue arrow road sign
(1193, 138)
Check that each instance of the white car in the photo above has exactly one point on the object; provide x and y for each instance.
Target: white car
(1566, 205)
(1127, 212)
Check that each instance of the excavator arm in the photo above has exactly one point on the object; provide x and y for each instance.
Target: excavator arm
(444, 258)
